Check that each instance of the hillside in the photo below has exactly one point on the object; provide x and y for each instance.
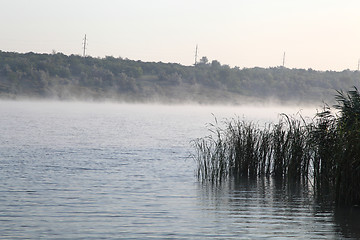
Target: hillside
(58, 76)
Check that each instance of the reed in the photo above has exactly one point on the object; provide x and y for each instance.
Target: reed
(347, 161)
(210, 154)
(247, 150)
(324, 151)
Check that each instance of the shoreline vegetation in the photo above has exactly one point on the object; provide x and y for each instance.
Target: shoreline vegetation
(322, 154)
(61, 77)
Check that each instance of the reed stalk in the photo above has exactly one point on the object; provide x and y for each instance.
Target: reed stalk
(325, 151)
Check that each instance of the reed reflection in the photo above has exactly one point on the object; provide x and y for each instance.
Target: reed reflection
(268, 207)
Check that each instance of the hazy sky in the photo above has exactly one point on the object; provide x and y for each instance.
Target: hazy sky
(318, 34)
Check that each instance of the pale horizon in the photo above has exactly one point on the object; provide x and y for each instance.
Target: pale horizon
(320, 34)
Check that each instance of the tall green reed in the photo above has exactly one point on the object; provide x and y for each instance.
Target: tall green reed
(324, 151)
(243, 149)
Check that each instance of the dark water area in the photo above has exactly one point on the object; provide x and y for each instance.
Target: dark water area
(271, 209)
(117, 171)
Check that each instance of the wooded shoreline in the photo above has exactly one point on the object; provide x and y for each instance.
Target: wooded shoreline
(58, 76)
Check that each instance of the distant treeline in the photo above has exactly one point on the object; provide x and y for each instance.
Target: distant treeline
(74, 77)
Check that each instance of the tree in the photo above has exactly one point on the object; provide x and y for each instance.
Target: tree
(204, 60)
(215, 64)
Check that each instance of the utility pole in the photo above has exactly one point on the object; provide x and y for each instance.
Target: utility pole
(84, 47)
(358, 64)
(196, 54)
(283, 63)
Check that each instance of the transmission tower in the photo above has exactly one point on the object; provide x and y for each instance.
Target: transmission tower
(283, 63)
(196, 54)
(84, 46)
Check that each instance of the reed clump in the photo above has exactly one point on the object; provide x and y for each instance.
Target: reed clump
(324, 151)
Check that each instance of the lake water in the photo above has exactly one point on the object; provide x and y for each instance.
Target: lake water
(117, 171)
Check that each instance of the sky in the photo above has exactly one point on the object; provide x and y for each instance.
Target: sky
(317, 34)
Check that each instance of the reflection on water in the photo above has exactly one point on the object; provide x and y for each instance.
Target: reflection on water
(348, 221)
(267, 207)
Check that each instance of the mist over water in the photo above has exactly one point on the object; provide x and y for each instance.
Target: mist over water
(81, 170)
(248, 112)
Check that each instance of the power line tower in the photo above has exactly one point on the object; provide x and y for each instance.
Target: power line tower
(84, 46)
(196, 54)
(283, 62)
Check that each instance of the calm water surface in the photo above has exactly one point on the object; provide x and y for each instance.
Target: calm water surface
(113, 171)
